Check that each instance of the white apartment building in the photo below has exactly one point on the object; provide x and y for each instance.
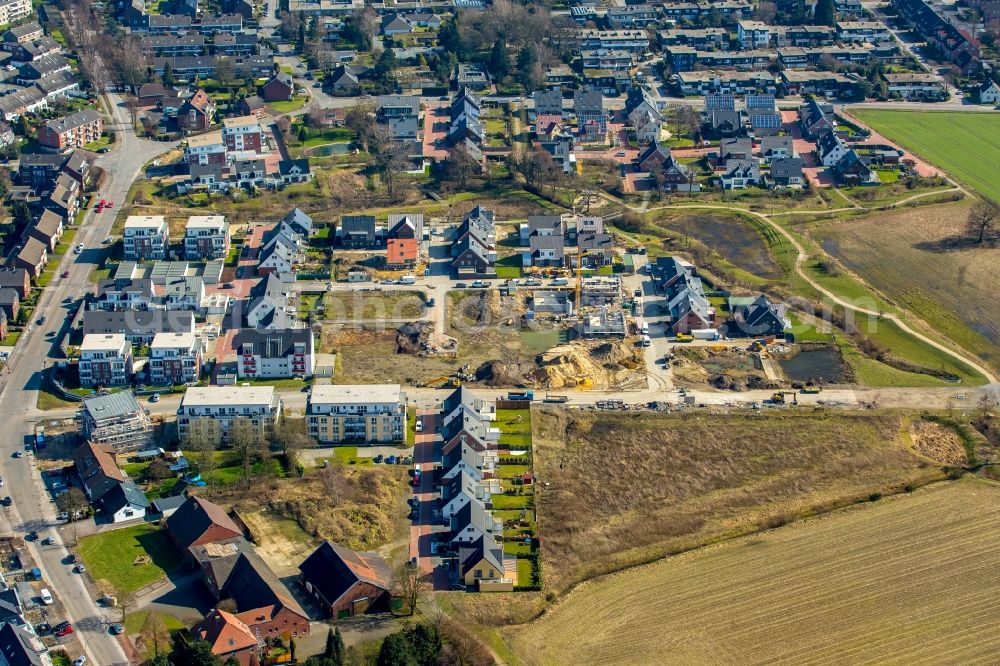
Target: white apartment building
(174, 358)
(105, 360)
(14, 10)
(146, 237)
(206, 237)
(274, 354)
(224, 404)
(368, 413)
(753, 34)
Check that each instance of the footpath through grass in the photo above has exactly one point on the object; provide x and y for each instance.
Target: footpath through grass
(966, 145)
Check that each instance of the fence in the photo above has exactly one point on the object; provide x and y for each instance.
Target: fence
(513, 404)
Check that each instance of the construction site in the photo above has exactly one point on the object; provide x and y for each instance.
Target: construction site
(563, 337)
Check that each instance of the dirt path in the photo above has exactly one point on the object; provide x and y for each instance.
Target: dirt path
(802, 255)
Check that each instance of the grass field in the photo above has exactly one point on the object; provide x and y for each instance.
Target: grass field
(623, 489)
(906, 580)
(390, 305)
(109, 556)
(944, 288)
(966, 145)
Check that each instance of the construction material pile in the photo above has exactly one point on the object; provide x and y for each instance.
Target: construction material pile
(419, 338)
(585, 364)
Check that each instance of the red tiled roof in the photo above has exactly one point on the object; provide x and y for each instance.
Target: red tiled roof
(401, 250)
(225, 632)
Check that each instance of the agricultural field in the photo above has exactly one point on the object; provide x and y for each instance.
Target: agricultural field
(966, 145)
(912, 265)
(626, 489)
(905, 580)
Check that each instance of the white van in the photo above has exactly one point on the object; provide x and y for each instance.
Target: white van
(646, 341)
(46, 597)
(407, 279)
(560, 282)
(644, 328)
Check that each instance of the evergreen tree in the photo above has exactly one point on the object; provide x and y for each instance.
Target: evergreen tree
(395, 651)
(168, 77)
(526, 60)
(338, 649)
(499, 63)
(825, 13)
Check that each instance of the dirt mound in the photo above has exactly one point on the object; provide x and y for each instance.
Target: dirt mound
(935, 441)
(602, 365)
(419, 338)
(498, 373)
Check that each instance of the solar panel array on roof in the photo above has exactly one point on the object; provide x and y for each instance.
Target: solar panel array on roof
(720, 102)
(765, 120)
(760, 102)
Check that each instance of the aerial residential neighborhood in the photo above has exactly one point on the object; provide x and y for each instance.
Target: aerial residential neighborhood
(492, 332)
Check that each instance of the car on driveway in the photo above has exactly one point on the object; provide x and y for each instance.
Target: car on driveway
(63, 629)
(43, 629)
(80, 661)
(116, 629)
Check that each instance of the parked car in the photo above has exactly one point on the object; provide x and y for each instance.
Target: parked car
(419, 427)
(79, 568)
(80, 661)
(7, 501)
(391, 460)
(478, 284)
(48, 601)
(64, 627)
(460, 285)
(43, 629)
(65, 274)
(116, 628)
(18, 454)
(378, 459)
(155, 397)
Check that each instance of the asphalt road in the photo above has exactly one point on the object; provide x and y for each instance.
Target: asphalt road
(19, 384)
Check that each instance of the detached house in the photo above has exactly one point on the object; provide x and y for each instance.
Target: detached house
(401, 253)
(687, 306)
(759, 317)
(197, 112)
(357, 232)
(280, 88)
(274, 354)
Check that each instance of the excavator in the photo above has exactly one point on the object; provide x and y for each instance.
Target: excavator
(442, 382)
(778, 397)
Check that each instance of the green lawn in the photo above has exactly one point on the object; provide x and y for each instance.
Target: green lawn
(110, 555)
(48, 400)
(524, 571)
(348, 455)
(11, 338)
(507, 272)
(963, 144)
(504, 502)
(411, 426)
(287, 106)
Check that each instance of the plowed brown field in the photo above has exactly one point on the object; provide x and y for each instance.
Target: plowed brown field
(909, 579)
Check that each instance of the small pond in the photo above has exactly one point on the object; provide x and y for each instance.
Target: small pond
(823, 364)
(329, 149)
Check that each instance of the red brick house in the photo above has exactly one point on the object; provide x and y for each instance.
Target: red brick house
(228, 636)
(15, 278)
(280, 88)
(345, 582)
(196, 114)
(198, 522)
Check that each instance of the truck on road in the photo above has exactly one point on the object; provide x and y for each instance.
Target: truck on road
(521, 395)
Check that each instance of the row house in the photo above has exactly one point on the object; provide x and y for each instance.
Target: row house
(175, 358)
(122, 294)
(803, 35)
(827, 84)
(632, 16)
(633, 41)
(916, 85)
(702, 39)
(718, 81)
(753, 34)
(260, 405)
(233, 45)
(146, 237)
(12, 11)
(73, 131)
(274, 354)
(795, 57)
(614, 60)
(105, 360)
(954, 44)
(872, 32)
(32, 257)
(243, 134)
(206, 237)
(173, 45)
(365, 413)
(473, 248)
(48, 229)
(686, 58)
(686, 305)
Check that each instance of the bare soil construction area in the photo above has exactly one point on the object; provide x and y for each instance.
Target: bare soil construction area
(908, 579)
(921, 259)
(622, 489)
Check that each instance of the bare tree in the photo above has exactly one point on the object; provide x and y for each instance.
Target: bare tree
(460, 166)
(245, 438)
(390, 157)
(154, 632)
(224, 72)
(984, 217)
(409, 584)
(203, 438)
(293, 436)
(361, 120)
